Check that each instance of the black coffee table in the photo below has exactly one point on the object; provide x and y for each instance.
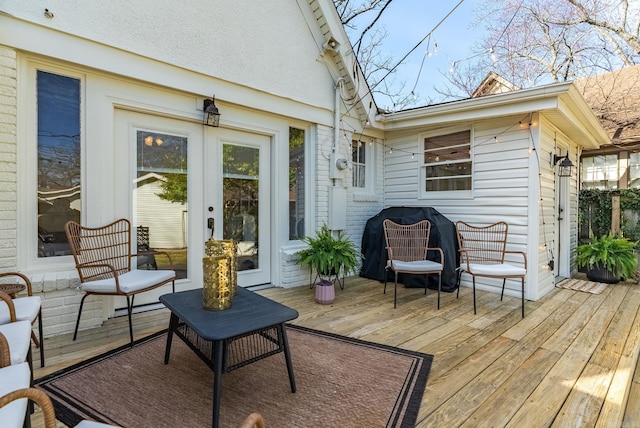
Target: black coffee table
(251, 329)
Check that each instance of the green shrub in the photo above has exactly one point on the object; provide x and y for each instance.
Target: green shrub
(609, 252)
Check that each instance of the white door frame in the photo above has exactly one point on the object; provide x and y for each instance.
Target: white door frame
(215, 138)
(562, 217)
(126, 124)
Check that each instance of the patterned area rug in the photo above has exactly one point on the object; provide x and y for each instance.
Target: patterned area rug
(582, 285)
(341, 382)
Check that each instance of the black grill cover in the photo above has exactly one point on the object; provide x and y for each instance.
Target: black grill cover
(443, 235)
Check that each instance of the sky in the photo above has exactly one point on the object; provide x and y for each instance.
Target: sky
(407, 23)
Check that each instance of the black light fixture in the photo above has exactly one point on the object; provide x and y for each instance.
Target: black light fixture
(211, 113)
(565, 165)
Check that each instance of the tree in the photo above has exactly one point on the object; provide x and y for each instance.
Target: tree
(360, 19)
(542, 41)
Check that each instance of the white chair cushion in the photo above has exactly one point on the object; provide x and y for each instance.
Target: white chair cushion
(132, 281)
(503, 269)
(12, 378)
(18, 335)
(27, 309)
(92, 424)
(417, 266)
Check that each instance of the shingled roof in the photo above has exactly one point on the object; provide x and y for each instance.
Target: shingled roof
(614, 98)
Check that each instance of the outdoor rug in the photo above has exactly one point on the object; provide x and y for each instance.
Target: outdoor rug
(341, 382)
(582, 285)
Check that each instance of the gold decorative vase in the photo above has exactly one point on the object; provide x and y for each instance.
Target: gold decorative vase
(227, 248)
(216, 283)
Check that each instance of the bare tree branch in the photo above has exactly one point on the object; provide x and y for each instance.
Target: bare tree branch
(538, 41)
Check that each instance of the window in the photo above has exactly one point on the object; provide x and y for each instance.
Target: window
(58, 101)
(296, 183)
(600, 172)
(359, 162)
(634, 170)
(447, 162)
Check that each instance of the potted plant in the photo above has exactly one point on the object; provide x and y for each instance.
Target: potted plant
(608, 258)
(329, 255)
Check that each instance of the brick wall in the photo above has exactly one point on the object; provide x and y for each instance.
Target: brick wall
(8, 158)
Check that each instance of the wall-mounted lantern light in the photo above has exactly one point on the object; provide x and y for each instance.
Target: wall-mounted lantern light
(211, 113)
(564, 166)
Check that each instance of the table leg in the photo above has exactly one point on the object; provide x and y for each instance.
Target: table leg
(287, 356)
(217, 380)
(173, 322)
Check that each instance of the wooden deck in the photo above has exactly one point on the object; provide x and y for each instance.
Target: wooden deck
(570, 362)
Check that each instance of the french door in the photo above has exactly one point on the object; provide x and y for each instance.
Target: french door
(238, 198)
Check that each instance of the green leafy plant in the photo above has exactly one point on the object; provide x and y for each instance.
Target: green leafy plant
(609, 252)
(328, 254)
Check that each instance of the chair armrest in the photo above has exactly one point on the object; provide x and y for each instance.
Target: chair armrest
(5, 353)
(464, 258)
(524, 256)
(81, 266)
(39, 397)
(21, 276)
(439, 250)
(153, 252)
(97, 265)
(9, 301)
(254, 420)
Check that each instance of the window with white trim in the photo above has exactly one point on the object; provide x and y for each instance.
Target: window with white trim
(58, 160)
(600, 172)
(297, 183)
(359, 163)
(447, 162)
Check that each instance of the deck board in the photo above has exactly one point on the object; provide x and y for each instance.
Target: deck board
(572, 361)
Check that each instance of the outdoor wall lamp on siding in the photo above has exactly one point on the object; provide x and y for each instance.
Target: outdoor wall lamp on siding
(211, 113)
(565, 165)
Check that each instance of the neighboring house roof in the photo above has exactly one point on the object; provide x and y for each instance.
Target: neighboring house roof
(614, 98)
(493, 84)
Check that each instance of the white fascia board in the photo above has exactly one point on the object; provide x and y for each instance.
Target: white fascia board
(50, 43)
(327, 16)
(562, 100)
(464, 111)
(526, 100)
(575, 108)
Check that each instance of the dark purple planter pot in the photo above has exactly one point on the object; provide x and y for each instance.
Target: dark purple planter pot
(602, 275)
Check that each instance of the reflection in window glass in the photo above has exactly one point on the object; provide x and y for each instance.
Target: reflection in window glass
(634, 170)
(241, 184)
(358, 160)
(447, 162)
(600, 172)
(160, 200)
(296, 183)
(58, 99)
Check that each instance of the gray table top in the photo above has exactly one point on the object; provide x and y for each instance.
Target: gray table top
(249, 312)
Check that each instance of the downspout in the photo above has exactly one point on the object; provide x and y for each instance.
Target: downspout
(336, 117)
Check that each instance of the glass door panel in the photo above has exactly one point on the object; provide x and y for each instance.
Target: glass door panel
(239, 199)
(241, 186)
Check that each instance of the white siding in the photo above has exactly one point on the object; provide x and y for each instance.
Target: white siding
(229, 40)
(166, 220)
(362, 207)
(501, 183)
(553, 141)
